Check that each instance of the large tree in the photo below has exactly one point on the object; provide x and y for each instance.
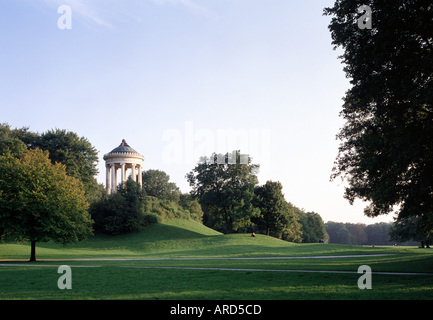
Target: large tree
(66, 147)
(275, 213)
(225, 190)
(386, 151)
(313, 227)
(40, 202)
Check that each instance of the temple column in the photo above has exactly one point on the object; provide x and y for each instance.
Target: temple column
(122, 173)
(134, 178)
(113, 178)
(140, 177)
(108, 178)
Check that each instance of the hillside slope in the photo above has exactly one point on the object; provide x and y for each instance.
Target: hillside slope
(171, 238)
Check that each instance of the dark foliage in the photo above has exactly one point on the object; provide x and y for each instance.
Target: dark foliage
(386, 154)
(122, 212)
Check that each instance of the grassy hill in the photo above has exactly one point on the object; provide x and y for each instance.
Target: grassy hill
(175, 238)
(198, 279)
(171, 238)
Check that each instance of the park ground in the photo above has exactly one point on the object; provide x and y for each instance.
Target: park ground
(183, 260)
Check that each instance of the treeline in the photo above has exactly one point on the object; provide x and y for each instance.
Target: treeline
(361, 234)
(232, 201)
(225, 193)
(49, 192)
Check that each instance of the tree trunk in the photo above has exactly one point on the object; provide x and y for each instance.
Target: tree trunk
(229, 225)
(33, 251)
(227, 221)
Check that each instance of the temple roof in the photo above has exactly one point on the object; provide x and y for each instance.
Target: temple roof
(123, 149)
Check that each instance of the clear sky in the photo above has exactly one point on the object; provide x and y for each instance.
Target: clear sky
(179, 79)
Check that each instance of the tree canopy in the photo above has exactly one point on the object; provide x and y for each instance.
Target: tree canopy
(78, 155)
(275, 214)
(313, 227)
(40, 202)
(225, 191)
(123, 211)
(386, 153)
(157, 184)
(232, 201)
(9, 143)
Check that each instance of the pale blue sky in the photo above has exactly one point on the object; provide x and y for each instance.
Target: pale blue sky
(178, 78)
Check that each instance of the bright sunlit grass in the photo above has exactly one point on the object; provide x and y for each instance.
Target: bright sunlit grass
(144, 279)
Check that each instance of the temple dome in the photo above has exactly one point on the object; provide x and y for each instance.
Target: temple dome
(123, 149)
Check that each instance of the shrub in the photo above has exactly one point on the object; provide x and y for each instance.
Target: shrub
(122, 212)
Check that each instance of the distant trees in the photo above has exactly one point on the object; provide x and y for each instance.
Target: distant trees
(232, 201)
(349, 233)
(378, 233)
(373, 234)
(225, 192)
(411, 228)
(40, 202)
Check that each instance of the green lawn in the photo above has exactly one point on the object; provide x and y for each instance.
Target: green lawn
(145, 279)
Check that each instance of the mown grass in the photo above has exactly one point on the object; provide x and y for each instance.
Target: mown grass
(144, 279)
(178, 238)
(111, 282)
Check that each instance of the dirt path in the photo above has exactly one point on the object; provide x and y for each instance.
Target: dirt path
(215, 258)
(22, 263)
(277, 270)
